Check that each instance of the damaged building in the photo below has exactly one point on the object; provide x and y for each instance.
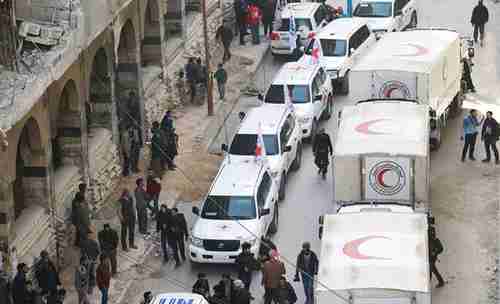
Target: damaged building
(66, 67)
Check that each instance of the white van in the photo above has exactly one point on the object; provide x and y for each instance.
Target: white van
(341, 44)
(241, 207)
(282, 141)
(311, 91)
(179, 298)
(387, 15)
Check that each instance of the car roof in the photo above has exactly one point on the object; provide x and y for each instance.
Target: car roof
(295, 73)
(229, 179)
(341, 28)
(300, 10)
(269, 116)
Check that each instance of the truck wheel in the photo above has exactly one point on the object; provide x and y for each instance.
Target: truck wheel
(282, 190)
(298, 158)
(413, 21)
(345, 84)
(273, 227)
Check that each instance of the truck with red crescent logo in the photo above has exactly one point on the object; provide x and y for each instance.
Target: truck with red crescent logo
(419, 64)
(374, 257)
(381, 154)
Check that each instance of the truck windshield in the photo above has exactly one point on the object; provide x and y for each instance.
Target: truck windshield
(229, 208)
(300, 23)
(373, 10)
(245, 144)
(299, 93)
(333, 47)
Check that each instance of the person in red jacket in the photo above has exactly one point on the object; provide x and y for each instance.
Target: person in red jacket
(103, 277)
(153, 189)
(254, 18)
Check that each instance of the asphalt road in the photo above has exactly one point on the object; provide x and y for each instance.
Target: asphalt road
(464, 195)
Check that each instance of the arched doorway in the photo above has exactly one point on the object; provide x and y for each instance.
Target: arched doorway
(99, 106)
(30, 186)
(66, 143)
(151, 45)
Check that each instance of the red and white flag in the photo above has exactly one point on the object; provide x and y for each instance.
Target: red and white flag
(260, 149)
(315, 52)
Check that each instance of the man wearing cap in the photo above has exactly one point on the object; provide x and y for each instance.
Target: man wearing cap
(271, 274)
(307, 266)
(108, 240)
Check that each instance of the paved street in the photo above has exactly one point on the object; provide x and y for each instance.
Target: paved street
(464, 195)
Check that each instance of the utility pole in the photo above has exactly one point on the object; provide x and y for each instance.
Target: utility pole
(208, 76)
(8, 35)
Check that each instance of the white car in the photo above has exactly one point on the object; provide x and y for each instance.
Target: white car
(387, 15)
(341, 44)
(310, 89)
(309, 18)
(282, 141)
(241, 206)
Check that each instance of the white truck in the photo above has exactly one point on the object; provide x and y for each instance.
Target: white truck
(420, 64)
(381, 154)
(374, 257)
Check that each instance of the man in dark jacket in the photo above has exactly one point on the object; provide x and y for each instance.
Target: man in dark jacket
(5, 287)
(307, 265)
(268, 10)
(435, 249)
(178, 232)
(171, 148)
(126, 214)
(478, 19)
(241, 12)
(157, 150)
(322, 146)
(141, 204)
(108, 241)
(191, 74)
(225, 35)
(164, 217)
(286, 292)
(75, 204)
(47, 277)
(20, 292)
(246, 263)
(489, 134)
(241, 295)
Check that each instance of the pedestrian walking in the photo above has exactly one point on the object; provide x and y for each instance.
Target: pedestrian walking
(225, 35)
(5, 285)
(489, 135)
(141, 204)
(82, 282)
(435, 249)
(164, 222)
(108, 241)
(247, 264)
(271, 274)
(134, 108)
(221, 78)
(191, 74)
(47, 277)
(201, 286)
(178, 233)
(157, 146)
(90, 252)
(241, 295)
(241, 12)
(153, 190)
(126, 214)
(254, 19)
(479, 18)
(103, 275)
(286, 292)
(20, 292)
(126, 148)
(268, 12)
(172, 144)
(75, 204)
(467, 75)
(470, 125)
(307, 266)
(135, 147)
(83, 220)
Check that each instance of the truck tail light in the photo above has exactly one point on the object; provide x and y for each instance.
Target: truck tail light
(275, 36)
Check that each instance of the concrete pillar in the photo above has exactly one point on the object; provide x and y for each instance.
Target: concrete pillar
(84, 166)
(162, 8)
(111, 70)
(140, 87)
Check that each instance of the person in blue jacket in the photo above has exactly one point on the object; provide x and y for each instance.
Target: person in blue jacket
(471, 124)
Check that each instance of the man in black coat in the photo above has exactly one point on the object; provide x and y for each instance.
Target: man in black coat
(47, 277)
(489, 134)
(307, 266)
(246, 263)
(225, 35)
(20, 292)
(108, 241)
(435, 249)
(478, 19)
(178, 232)
(164, 217)
(5, 287)
(322, 146)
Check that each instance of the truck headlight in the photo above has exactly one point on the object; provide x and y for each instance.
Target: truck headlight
(197, 242)
(304, 120)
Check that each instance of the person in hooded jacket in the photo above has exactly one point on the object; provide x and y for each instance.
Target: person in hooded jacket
(479, 18)
(489, 134)
(307, 266)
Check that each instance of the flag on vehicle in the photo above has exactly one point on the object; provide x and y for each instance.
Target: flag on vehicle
(315, 52)
(260, 149)
(292, 31)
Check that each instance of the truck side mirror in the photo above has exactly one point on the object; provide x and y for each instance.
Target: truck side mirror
(223, 147)
(196, 210)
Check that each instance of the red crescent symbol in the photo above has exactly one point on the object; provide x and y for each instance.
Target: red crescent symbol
(419, 50)
(380, 177)
(351, 248)
(365, 127)
(388, 94)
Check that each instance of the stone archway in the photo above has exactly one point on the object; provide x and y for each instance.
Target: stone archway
(66, 143)
(98, 108)
(30, 188)
(151, 45)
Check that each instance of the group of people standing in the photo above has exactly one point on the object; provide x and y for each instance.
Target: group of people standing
(164, 145)
(490, 133)
(250, 14)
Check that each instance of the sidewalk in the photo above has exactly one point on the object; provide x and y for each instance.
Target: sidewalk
(188, 183)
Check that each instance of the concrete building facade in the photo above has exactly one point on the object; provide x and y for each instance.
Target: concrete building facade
(60, 112)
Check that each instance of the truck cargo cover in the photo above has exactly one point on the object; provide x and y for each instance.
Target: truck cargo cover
(415, 51)
(374, 250)
(389, 127)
